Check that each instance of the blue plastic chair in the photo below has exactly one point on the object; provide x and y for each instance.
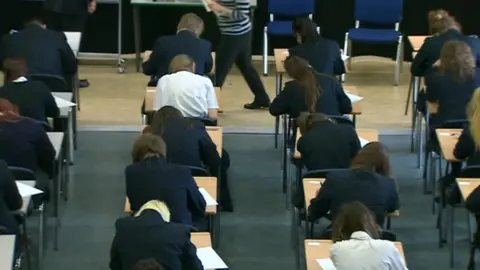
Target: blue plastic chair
(379, 12)
(284, 8)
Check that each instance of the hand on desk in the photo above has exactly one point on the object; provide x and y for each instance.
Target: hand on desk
(92, 6)
(146, 56)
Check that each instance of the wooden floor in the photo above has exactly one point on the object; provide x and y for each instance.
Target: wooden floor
(114, 99)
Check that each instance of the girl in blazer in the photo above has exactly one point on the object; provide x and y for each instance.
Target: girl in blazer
(356, 245)
(322, 54)
(309, 92)
(150, 234)
(452, 84)
(368, 181)
(33, 98)
(188, 143)
(150, 177)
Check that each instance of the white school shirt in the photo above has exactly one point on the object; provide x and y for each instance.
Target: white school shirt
(361, 252)
(190, 93)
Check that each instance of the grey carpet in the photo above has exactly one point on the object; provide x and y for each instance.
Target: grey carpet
(257, 235)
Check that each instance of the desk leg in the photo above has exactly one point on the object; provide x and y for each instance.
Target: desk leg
(71, 135)
(285, 158)
(56, 198)
(452, 237)
(120, 61)
(137, 35)
(41, 222)
(277, 120)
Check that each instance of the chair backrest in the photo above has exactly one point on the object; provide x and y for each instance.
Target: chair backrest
(470, 172)
(20, 173)
(379, 11)
(340, 119)
(197, 171)
(320, 173)
(385, 235)
(456, 123)
(54, 82)
(291, 8)
(206, 121)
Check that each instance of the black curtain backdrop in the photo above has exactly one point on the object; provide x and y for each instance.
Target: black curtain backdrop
(334, 17)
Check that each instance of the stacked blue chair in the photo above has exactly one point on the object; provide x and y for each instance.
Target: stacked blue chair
(379, 12)
(284, 8)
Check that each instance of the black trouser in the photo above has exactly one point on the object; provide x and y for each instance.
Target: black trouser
(237, 50)
(67, 22)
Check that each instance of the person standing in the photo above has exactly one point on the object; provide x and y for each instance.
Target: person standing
(235, 48)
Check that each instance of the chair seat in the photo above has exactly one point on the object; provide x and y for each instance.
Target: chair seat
(373, 35)
(280, 28)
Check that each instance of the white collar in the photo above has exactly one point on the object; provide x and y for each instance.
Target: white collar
(20, 79)
(360, 235)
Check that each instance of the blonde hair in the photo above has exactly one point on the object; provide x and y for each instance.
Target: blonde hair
(473, 112)
(158, 206)
(181, 62)
(191, 22)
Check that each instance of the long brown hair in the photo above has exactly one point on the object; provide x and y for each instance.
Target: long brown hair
(457, 58)
(473, 113)
(373, 156)
(161, 117)
(148, 145)
(306, 121)
(299, 70)
(14, 68)
(8, 111)
(353, 217)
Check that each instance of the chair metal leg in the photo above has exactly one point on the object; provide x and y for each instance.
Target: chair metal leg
(396, 80)
(285, 152)
(265, 52)
(452, 236)
(419, 139)
(26, 245)
(409, 96)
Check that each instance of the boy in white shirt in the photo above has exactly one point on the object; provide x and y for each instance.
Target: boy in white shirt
(192, 94)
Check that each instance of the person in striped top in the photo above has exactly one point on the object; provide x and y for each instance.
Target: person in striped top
(233, 18)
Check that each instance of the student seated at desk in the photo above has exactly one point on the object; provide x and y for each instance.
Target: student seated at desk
(192, 94)
(33, 98)
(322, 54)
(368, 181)
(452, 84)
(320, 150)
(445, 28)
(151, 233)
(46, 52)
(10, 200)
(355, 235)
(150, 177)
(188, 143)
(186, 41)
(309, 92)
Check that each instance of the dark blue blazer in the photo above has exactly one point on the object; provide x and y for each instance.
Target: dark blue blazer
(155, 179)
(466, 149)
(46, 51)
(184, 42)
(26, 144)
(451, 94)
(188, 143)
(10, 199)
(430, 51)
(150, 237)
(291, 100)
(67, 6)
(323, 55)
(377, 192)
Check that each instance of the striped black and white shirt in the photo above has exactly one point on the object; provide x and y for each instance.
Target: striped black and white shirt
(239, 23)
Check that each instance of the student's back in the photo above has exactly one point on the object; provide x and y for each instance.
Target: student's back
(182, 142)
(323, 55)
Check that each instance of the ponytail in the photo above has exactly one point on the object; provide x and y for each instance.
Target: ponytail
(299, 70)
(307, 120)
(157, 206)
(473, 112)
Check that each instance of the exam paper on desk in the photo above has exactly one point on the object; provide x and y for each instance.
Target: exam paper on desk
(210, 259)
(363, 142)
(353, 98)
(326, 264)
(26, 190)
(208, 198)
(62, 103)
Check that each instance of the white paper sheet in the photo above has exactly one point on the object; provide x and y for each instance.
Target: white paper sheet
(464, 183)
(210, 259)
(27, 191)
(62, 103)
(353, 98)
(363, 142)
(208, 198)
(326, 264)
(345, 57)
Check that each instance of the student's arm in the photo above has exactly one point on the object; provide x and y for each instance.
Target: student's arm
(208, 149)
(189, 257)
(150, 67)
(241, 10)
(431, 82)
(465, 145)
(420, 62)
(45, 150)
(355, 144)
(338, 65)
(473, 201)
(320, 205)
(197, 204)
(212, 102)
(51, 108)
(208, 68)
(115, 259)
(281, 103)
(345, 105)
(12, 198)
(69, 61)
(393, 202)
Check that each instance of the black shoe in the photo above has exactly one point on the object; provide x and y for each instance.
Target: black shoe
(83, 83)
(256, 106)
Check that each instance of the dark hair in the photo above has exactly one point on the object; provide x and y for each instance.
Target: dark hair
(299, 70)
(373, 156)
(181, 62)
(353, 217)
(306, 121)
(306, 29)
(148, 145)
(162, 116)
(457, 58)
(14, 68)
(8, 111)
(148, 264)
(439, 21)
